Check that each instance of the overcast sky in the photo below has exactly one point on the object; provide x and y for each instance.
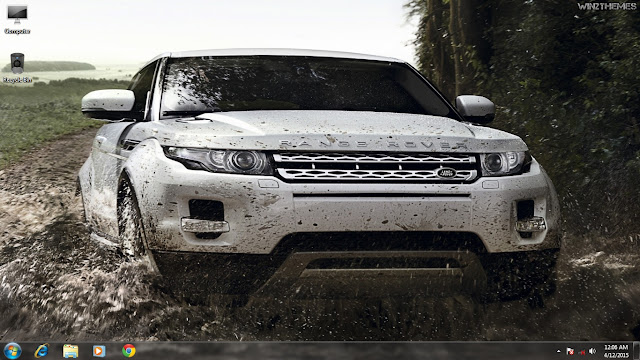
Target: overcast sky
(134, 31)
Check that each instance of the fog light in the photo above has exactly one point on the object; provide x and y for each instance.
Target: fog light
(534, 223)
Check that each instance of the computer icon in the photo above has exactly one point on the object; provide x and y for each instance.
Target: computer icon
(70, 351)
(17, 12)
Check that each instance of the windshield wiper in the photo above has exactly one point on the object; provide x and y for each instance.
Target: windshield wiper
(190, 112)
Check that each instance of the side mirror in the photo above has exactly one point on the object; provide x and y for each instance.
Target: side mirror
(476, 109)
(108, 104)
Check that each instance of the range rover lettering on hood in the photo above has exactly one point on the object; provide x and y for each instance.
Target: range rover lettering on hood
(430, 145)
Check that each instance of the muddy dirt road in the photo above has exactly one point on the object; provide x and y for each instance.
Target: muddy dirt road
(57, 284)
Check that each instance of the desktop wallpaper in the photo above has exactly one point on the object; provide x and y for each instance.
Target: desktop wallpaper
(564, 77)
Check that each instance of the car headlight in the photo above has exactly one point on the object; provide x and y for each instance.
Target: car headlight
(505, 163)
(226, 161)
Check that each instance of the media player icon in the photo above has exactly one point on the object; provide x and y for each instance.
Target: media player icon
(99, 351)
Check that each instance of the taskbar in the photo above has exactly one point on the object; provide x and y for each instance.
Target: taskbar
(322, 350)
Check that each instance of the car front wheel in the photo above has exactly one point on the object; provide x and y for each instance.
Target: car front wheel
(130, 227)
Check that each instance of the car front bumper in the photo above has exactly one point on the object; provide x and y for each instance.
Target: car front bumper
(259, 211)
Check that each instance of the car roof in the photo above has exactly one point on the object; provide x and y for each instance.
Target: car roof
(273, 52)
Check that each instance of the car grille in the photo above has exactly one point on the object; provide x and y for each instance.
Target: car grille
(365, 167)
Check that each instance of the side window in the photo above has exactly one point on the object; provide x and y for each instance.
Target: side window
(141, 86)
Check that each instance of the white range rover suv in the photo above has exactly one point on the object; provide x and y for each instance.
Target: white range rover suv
(316, 174)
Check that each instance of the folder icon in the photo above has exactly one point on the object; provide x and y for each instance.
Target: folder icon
(69, 351)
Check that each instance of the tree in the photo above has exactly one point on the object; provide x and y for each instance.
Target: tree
(451, 46)
(563, 79)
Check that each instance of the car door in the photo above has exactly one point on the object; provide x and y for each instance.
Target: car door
(108, 156)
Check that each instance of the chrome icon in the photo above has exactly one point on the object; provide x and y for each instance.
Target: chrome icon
(12, 350)
(128, 350)
(41, 351)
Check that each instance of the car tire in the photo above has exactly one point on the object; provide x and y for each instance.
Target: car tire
(130, 226)
(132, 245)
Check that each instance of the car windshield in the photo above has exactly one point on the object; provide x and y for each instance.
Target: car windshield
(209, 84)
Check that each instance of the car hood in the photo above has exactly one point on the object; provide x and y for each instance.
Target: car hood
(328, 130)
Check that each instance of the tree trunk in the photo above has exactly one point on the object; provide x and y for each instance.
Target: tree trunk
(454, 32)
(468, 44)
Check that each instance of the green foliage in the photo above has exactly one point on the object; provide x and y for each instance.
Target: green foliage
(30, 116)
(35, 65)
(567, 81)
(451, 49)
